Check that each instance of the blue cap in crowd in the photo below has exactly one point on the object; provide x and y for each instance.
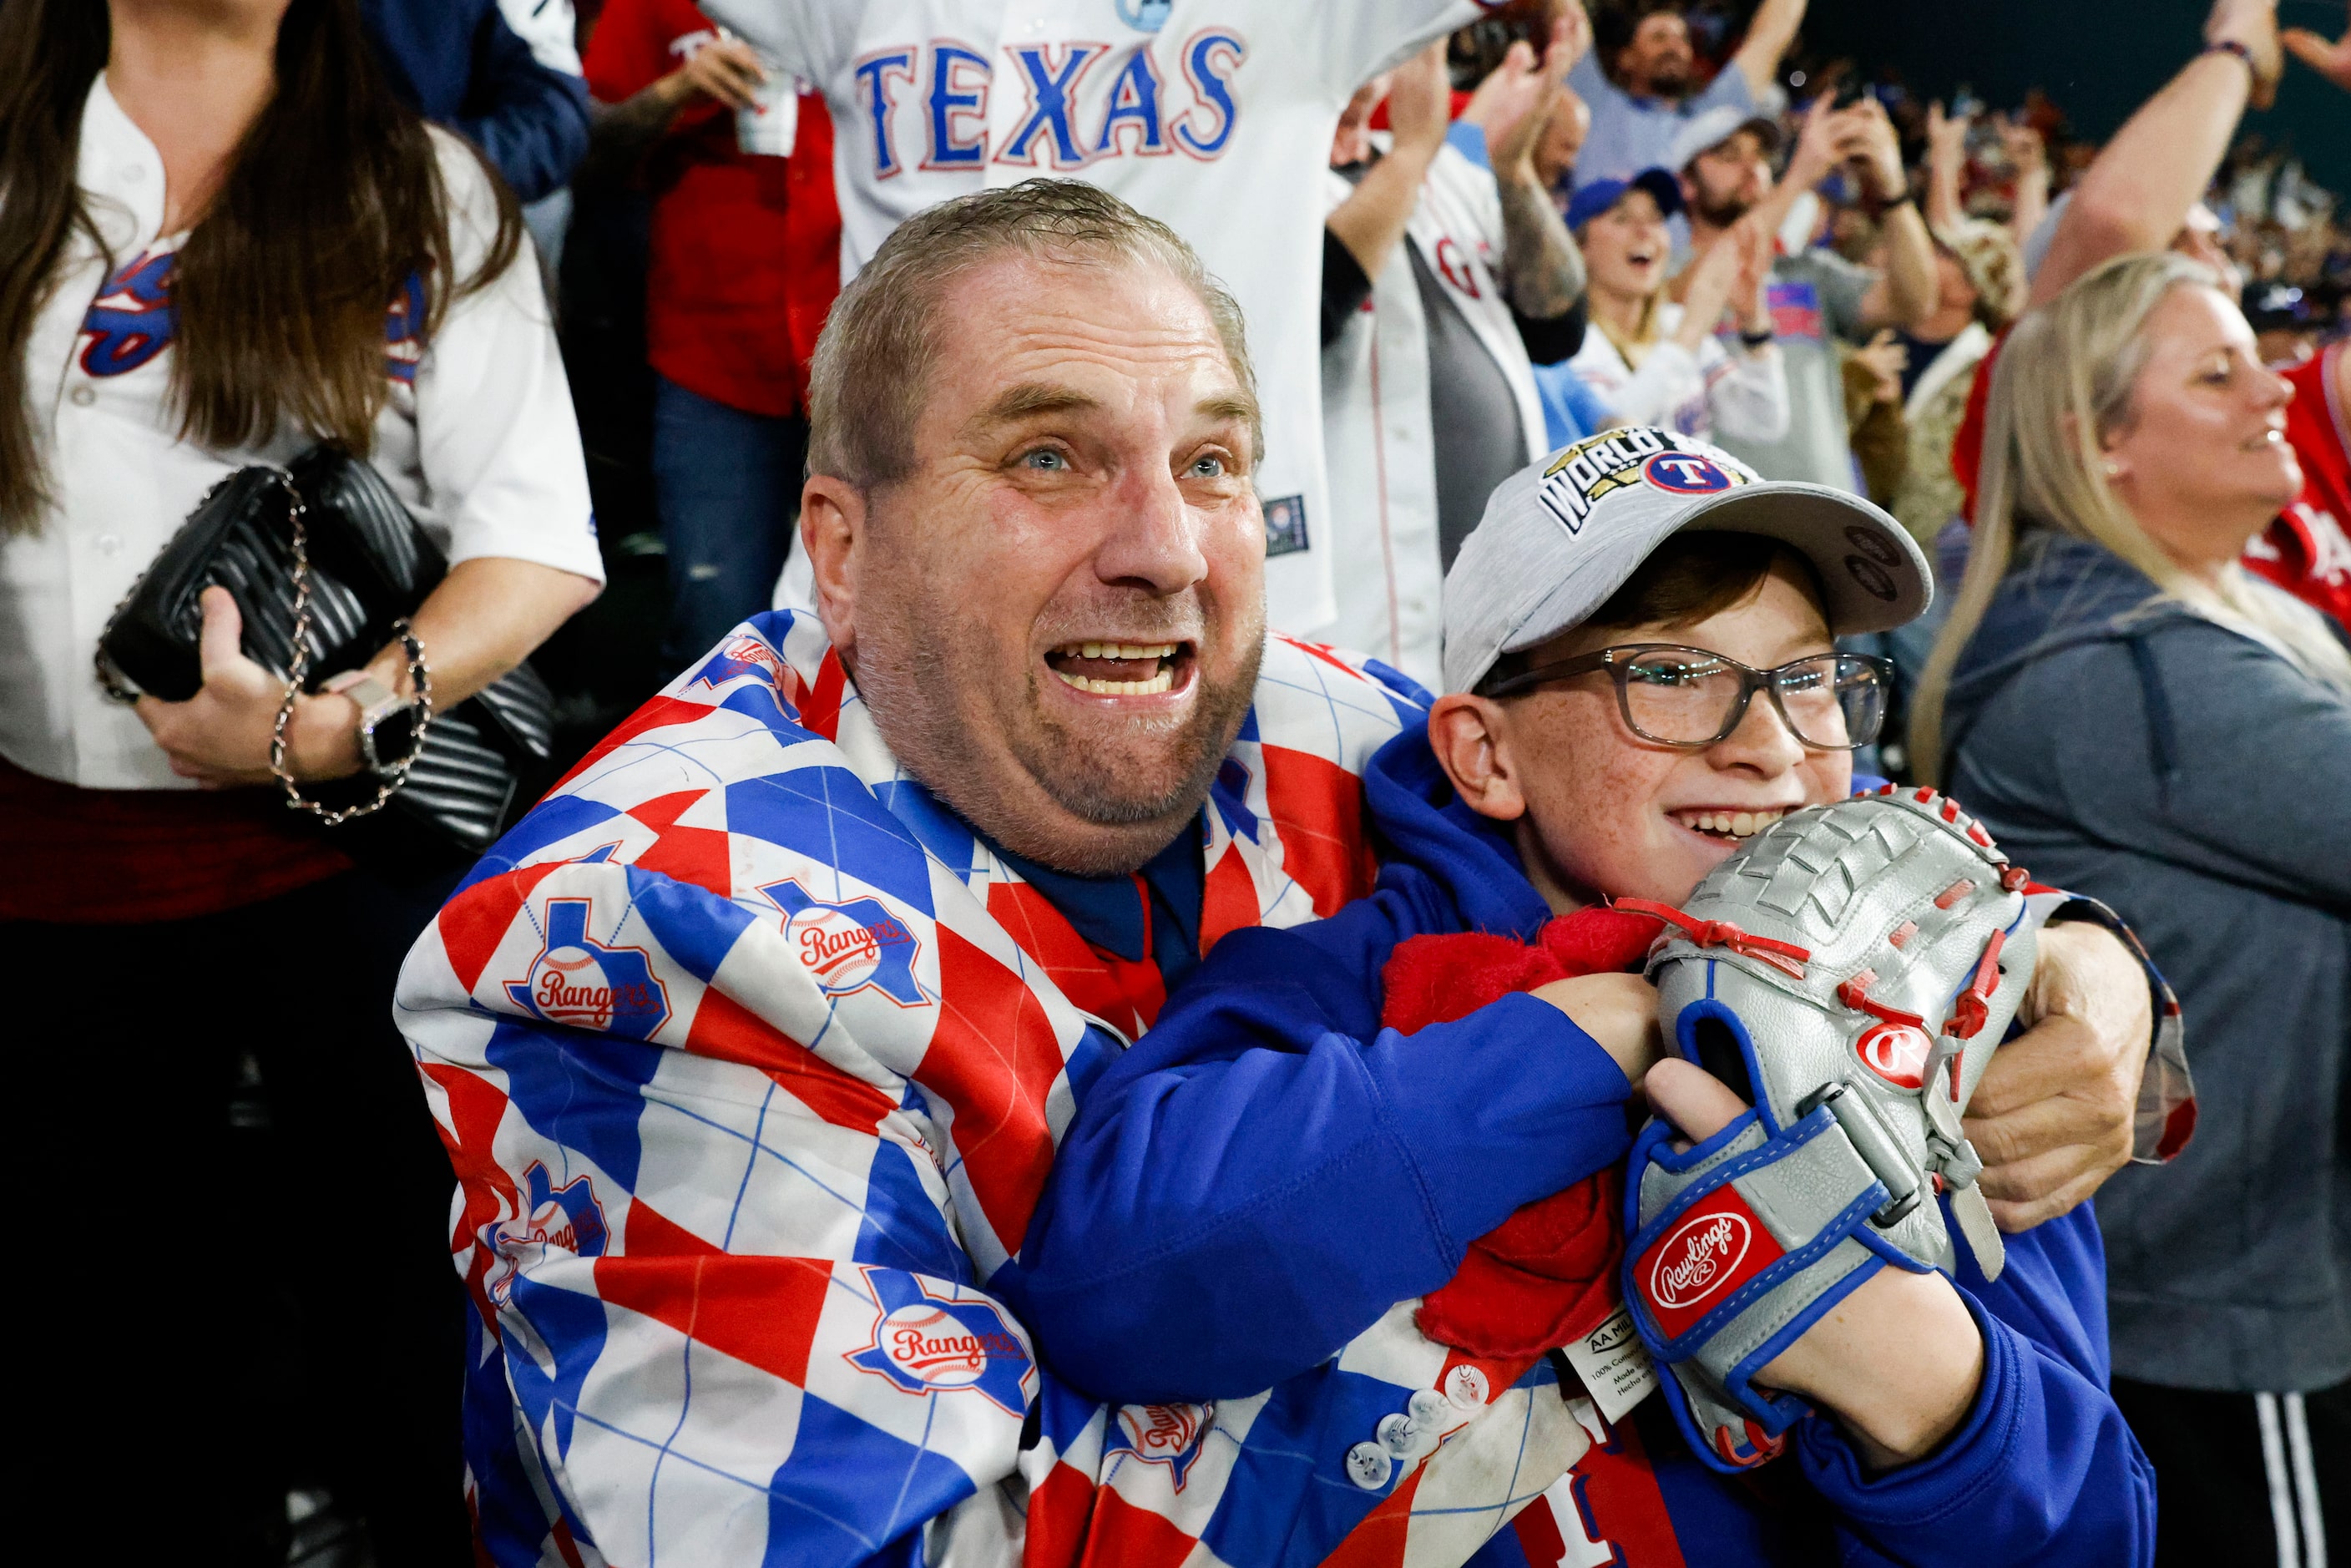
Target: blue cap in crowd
(1590, 201)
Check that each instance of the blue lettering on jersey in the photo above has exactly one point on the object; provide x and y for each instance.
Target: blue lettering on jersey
(1134, 101)
(874, 74)
(1052, 89)
(952, 101)
(1795, 310)
(1210, 58)
(132, 318)
(403, 331)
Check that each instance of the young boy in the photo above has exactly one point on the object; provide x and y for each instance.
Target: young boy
(1256, 1181)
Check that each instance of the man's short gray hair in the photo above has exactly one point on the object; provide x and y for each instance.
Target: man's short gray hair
(873, 362)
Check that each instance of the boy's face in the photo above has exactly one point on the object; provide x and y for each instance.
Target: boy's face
(1602, 812)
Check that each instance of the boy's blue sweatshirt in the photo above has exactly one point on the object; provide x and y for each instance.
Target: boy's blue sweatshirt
(1268, 1171)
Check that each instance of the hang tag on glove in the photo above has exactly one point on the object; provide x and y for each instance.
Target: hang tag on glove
(1615, 1366)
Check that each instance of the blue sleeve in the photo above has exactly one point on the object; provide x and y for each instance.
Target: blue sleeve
(1730, 87)
(2043, 1471)
(1469, 140)
(531, 121)
(1268, 1171)
(1572, 410)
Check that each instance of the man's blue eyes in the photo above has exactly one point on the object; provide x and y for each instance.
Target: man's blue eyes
(1045, 460)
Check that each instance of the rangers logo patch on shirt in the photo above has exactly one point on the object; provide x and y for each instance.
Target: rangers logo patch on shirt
(854, 946)
(937, 1344)
(576, 979)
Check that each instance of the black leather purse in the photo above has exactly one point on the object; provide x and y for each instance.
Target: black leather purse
(326, 566)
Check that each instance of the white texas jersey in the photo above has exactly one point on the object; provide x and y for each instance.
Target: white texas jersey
(1387, 572)
(1212, 116)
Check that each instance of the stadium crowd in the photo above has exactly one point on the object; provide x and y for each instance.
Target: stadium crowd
(827, 428)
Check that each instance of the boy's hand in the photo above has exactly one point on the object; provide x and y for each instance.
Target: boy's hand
(1898, 1360)
(1619, 1011)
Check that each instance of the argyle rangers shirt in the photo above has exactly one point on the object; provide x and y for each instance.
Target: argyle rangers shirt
(751, 1058)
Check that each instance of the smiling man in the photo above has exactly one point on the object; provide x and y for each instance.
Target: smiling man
(753, 1043)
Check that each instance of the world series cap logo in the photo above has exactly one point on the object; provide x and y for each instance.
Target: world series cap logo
(1599, 466)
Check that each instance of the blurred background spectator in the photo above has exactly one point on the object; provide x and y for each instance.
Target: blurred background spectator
(2135, 714)
(1444, 282)
(744, 260)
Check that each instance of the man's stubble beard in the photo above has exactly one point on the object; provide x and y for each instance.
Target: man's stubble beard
(927, 716)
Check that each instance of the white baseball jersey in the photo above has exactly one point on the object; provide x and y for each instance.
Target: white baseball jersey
(477, 439)
(1212, 116)
(1388, 571)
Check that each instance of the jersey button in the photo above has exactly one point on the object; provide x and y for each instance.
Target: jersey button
(82, 397)
(1397, 1433)
(1465, 1387)
(1369, 1466)
(1427, 1407)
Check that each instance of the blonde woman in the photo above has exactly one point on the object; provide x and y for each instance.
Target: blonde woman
(1653, 361)
(2138, 717)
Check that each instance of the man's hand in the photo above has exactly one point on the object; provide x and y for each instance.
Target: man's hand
(220, 736)
(725, 69)
(2253, 24)
(1898, 1360)
(1867, 138)
(1884, 358)
(1815, 152)
(2332, 61)
(1618, 1011)
(1947, 138)
(1513, 104)
(2052, 1118)
(1420, 104)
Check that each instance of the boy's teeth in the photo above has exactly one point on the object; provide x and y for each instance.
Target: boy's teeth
(1732, 824)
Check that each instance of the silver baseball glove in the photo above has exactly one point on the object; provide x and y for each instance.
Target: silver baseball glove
(1849, 971)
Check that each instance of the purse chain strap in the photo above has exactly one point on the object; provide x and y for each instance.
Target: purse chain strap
(419, 675)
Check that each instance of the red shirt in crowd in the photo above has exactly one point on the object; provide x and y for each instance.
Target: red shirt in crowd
(745, 250)
(2306, 549)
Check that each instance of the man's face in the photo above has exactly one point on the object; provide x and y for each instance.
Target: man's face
(1657, 60)
(1056, 618)
(1724, 180)
(1608, 814)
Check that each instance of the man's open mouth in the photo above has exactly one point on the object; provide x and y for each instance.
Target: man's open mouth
(1122, 669)
(1731, 825)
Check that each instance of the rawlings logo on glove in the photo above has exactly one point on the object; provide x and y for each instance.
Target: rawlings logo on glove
(1849, 971)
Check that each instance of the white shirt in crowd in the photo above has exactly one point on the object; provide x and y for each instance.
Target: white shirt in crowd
(1212, 116)
(1387, 569)
(479, 439)
(1743, 395)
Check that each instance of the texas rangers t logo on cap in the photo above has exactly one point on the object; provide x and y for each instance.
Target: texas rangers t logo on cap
(1686, 474)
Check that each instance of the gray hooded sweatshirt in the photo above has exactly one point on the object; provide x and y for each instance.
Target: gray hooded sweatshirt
(2200, 783)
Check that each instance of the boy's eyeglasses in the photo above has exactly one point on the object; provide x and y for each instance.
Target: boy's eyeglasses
(1689, 698)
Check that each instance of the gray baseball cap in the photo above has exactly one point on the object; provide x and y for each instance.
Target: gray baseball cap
(1716, 126)
(1561, 535)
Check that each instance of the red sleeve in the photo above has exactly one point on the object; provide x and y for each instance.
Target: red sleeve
(1967, 446)
(630, 49)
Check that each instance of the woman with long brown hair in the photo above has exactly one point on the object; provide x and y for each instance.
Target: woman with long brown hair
(223, 241)
(2139, 719)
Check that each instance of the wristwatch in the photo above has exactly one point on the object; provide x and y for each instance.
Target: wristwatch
(388, 737)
